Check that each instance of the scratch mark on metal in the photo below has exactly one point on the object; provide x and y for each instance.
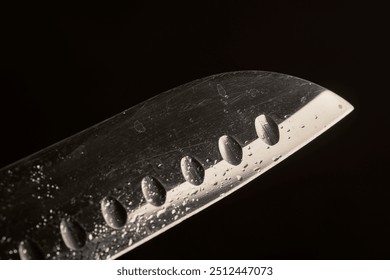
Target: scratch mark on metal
(236, 98)
(203, 101)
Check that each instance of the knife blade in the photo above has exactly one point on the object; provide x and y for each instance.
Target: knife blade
(110, 188)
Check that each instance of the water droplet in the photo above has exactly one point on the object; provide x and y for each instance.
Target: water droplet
(267, 129)
(275, 158)
(113, 212)
(153, 191)
(28, 250)
(239, 178)
(160, 212)
(230, 150)
(72, 234)
(194, 192)
(192, 170)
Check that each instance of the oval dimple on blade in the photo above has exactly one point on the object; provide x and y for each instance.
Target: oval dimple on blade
(230, 150)
(192, 170)
(29, 250)
(73, 234)
(113, 212)
(267, 129)
(153, 191)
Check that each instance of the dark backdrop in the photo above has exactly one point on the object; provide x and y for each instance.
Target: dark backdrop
(64, 69)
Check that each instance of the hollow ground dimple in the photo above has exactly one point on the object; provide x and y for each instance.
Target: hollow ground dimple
(153, 191)
(28, 250)
(267, 129)
(230, 150)
(192, 170)
(73, 234)
(114, 213)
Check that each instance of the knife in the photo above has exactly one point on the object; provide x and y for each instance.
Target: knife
(110, 188)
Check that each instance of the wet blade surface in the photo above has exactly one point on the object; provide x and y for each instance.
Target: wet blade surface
(133, 176)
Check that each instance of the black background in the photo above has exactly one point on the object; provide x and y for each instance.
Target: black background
(64, 69)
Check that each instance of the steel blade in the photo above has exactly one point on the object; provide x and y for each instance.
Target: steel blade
(114, 186)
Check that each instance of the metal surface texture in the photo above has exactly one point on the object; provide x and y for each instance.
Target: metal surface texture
(109, 188)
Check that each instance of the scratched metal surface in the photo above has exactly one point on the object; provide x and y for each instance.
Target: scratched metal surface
(68, 181)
